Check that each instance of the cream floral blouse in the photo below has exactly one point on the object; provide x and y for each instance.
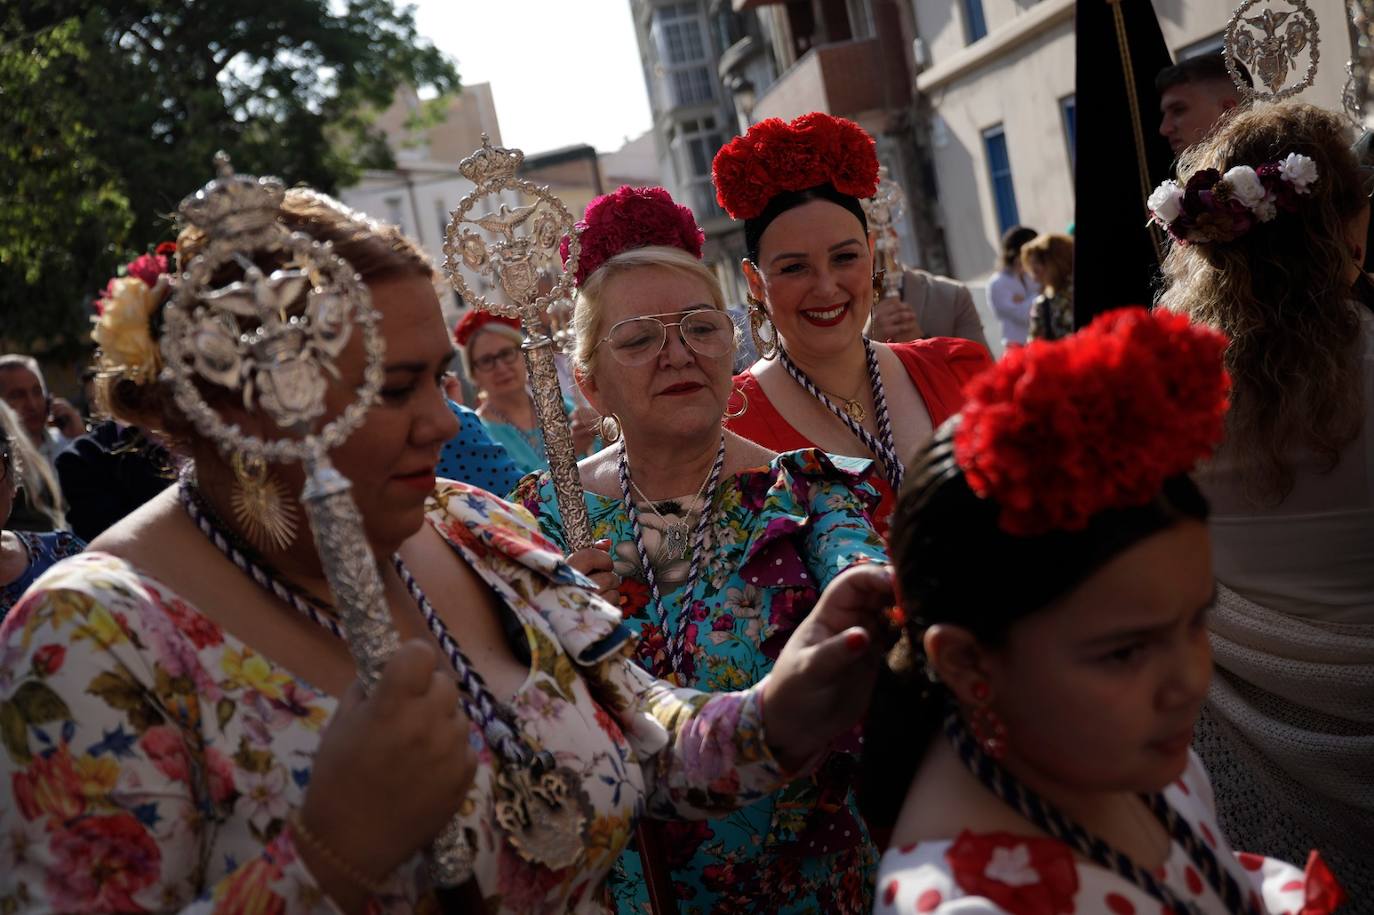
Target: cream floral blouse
(150, 758)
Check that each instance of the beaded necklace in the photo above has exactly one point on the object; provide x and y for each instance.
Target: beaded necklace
(676, 644)
(485, 710)
(882, 445)
(1053, 821)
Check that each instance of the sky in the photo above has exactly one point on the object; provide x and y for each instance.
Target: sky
(562, 72)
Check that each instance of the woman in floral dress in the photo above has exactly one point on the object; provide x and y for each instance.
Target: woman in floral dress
(719, 548)
(177, 736)
(1031, 745)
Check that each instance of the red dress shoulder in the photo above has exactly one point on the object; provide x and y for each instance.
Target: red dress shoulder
(939, 367)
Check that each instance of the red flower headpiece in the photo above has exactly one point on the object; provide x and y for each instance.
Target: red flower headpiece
(775, 156)
(1061, 430)
(474, 320)
(632, 217)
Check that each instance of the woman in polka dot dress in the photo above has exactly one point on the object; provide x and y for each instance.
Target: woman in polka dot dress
(1029, 743)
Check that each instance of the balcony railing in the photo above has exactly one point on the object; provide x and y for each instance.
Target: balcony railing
(845, 79)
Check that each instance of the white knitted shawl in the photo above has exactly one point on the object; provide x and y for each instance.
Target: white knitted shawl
(1288, 738)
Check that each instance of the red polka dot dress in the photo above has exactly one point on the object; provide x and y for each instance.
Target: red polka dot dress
(1005, 874)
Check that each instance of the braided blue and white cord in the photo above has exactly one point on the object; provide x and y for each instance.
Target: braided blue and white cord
(1053, 821)
(677, 641)
(882, 446)
(475, 697)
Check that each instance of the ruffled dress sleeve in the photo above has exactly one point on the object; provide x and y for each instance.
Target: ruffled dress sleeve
(109, 794)
(702, 754)
(814, 511)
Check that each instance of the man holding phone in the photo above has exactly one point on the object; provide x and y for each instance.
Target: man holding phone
(51, 422)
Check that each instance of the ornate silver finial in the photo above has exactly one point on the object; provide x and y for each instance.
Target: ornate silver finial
(234, 204)
(884, 210)
(1269, 42)
(491, 164)
(273, 335)
(527, 242)
(529, 236)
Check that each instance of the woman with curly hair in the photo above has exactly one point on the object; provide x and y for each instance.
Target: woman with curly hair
(819, 382)
(1270, 226)
(1029, 743)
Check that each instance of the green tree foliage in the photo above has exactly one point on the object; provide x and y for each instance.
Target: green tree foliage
(114, 110)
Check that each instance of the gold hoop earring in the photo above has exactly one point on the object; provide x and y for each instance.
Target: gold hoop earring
(610, 429)
(767, 349)
(743, 407)
(261, 507)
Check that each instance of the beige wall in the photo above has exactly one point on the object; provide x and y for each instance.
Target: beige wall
(471, 113)
(1186, 22)
(1015, 76)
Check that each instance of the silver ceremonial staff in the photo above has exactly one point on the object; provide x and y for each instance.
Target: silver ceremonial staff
(527, 239)
(273, 339)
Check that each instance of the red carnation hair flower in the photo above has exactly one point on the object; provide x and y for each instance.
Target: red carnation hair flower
(632, 217)
(777, 156)
(1061, 430)
(473, 321)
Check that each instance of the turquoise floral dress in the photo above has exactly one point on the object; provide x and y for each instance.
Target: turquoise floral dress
(780, 534)
(150, 759)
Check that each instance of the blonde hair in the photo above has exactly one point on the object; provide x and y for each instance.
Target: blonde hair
(374, 249)
(1054, 253)
(496, 328)
(588, 315)
(29, 469)
(1281, 293)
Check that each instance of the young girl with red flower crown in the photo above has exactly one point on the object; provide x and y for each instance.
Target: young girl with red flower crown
(820, 383)
(1029, 744)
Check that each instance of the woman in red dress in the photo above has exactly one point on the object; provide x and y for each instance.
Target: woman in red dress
(819, 383)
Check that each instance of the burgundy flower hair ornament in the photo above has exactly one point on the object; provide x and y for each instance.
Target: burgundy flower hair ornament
(1214, 207)
(1058, 431)
(776, 156)
(632, 217)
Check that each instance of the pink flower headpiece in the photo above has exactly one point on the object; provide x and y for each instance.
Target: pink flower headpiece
(1222, 207)
(632, 217)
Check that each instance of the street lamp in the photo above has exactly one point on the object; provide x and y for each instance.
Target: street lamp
(742, 91)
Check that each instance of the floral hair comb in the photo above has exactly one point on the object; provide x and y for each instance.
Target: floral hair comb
(1214, 207)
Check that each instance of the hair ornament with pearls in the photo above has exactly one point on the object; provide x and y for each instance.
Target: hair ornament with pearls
(1217, 207)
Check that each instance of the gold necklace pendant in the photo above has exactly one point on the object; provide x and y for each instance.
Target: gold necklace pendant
(855, 411)
(261, 507)
(544, 815)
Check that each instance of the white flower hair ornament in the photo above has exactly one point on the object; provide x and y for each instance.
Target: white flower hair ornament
(1216, 207)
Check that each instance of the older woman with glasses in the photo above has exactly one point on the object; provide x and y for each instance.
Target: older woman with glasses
(489, 347)
(719, 547)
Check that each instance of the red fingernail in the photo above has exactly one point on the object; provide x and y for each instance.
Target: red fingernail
(856, 641)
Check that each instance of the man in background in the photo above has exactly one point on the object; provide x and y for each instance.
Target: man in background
(928, 306)
(50, 422)
(1194, 94)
